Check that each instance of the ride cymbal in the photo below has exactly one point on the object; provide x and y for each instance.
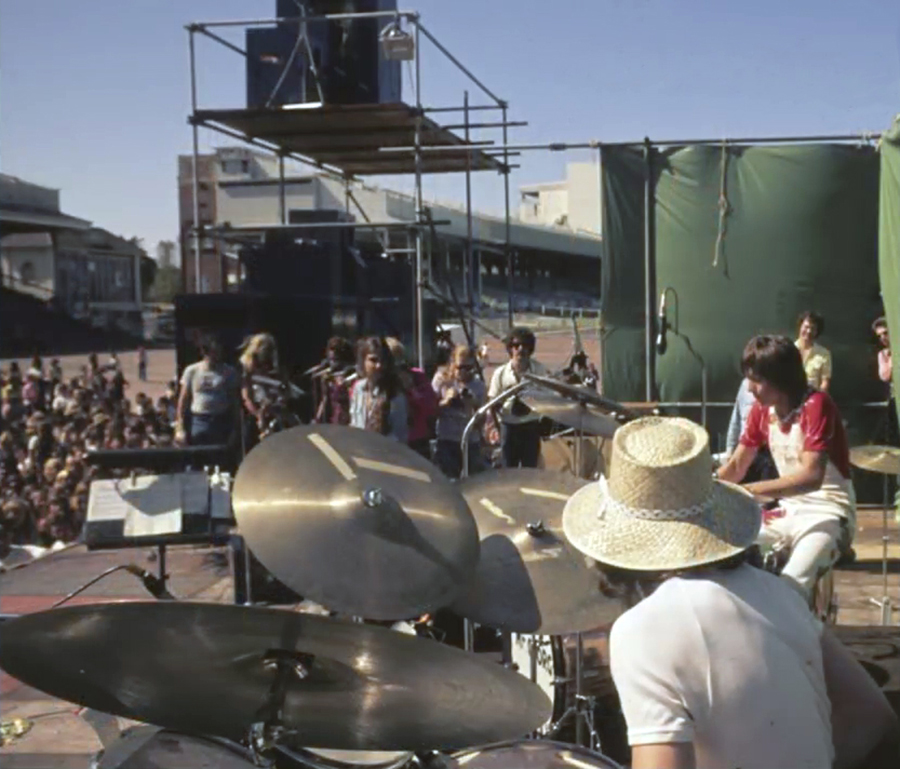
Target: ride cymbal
(581, 416)
(529, 578)
(218, 670)
(580, 393)
(877, 459)
(355, 521)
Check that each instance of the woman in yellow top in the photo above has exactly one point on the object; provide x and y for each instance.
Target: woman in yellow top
(816, 359)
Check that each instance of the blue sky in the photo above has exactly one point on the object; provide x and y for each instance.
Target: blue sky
(94, 94)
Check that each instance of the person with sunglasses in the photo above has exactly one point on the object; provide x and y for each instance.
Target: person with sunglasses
(520, 431)
(460, 394)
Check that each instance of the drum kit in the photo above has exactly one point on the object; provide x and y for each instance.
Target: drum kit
(366, 528)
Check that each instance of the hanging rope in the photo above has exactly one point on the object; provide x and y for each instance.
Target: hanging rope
(724, 208)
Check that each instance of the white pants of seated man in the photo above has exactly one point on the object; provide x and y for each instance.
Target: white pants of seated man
(814, 540)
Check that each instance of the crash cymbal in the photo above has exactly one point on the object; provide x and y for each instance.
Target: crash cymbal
(529, 578)
(579, 393)
(878, 459)
(215, 669)
(576, 414)
(355, 521)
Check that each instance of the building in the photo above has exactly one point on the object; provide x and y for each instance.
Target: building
(83, 270)
(555, 265)
(573, 203)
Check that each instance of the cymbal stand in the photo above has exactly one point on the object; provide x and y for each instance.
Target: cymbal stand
(884, 603)
(582, 710)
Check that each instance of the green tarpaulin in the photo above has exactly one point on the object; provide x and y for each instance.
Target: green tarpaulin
(748, 237)
(889, 234)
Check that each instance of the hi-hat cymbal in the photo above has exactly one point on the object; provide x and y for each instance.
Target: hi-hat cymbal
(878, 459)
(576, 414)
(355, 521)
(529, 578)
(579, 393)
(218, 670)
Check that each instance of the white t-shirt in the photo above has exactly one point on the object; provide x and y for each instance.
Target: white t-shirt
(504, 378)
(730, 660)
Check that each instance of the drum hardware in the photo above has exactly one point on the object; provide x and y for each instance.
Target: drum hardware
(154, 585)
(530, 754)
(884, 460)
(481, 413)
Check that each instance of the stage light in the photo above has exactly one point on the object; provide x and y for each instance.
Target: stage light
(397, 44)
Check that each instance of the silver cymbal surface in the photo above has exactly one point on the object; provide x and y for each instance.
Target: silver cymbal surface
(216, 670)
(529, 578)
(355, 521)
(578, 415)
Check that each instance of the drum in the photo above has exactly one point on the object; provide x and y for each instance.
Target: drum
(530, 754)
(549, 661)
(148, 747)
(347, 759)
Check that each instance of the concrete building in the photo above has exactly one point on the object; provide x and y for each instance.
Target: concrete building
(573, 203)
(240, 187)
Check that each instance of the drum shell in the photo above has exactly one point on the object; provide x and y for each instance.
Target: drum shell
(348, 759)
(531, 754)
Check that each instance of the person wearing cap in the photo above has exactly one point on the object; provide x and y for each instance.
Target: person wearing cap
(803, 430)
(520, 430)
(717, 664)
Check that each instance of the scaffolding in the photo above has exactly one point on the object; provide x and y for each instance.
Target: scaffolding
(353, 141)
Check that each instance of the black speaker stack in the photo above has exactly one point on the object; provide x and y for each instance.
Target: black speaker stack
(346, 52)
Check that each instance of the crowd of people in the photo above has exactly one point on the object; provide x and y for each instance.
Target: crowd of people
(47, 425)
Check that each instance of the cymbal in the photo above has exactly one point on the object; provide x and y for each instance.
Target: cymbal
(579, 393)
(576, 414)
(355, 521)
(215, 669)
(529, 578)
(530, 754)
(878, 459)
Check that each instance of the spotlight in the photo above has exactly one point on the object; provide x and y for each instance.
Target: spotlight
(397, 44)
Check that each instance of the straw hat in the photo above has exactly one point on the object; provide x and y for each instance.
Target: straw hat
(661, 509)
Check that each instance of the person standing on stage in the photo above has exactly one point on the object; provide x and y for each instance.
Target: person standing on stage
(803, 430)
(520, 430)
(717, 664)
(460, 394)
(208, 410)
(816, 359)
(420, 399)
(377, 401)
(334, 406)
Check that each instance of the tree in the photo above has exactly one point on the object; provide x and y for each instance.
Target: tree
(165, 253)
(167, 284)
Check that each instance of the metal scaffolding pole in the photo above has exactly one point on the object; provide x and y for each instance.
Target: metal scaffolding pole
(649, 273)
(282, 193)
(420, 209)
(509, 254)
(468, 271)
(196, 171)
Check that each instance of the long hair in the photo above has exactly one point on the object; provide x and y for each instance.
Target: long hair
(258, 351)
(524, 336)
(389, 386)
(776, 360)
(631, 587)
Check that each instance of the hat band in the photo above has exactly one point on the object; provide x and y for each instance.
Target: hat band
(655, 514)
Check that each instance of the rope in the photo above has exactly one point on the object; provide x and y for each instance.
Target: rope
(724, 209)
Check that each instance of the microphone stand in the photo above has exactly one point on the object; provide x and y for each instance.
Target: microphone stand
(464, 443)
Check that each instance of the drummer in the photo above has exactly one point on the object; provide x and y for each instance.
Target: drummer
(717, 664)
(520, 432)
(802, 429)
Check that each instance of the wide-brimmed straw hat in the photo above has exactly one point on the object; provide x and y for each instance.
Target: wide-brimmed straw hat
(661, 509)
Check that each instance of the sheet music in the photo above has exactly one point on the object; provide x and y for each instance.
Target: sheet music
(153, 505)
(104, 502)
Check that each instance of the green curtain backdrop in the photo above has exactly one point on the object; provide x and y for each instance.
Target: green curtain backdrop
(748, 237)
(889, 234)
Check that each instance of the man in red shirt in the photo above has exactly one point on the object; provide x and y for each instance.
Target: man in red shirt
(802, 429)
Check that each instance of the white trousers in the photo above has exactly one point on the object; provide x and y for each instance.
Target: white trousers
(814, 542)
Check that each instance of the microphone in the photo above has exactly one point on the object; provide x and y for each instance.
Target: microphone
(153, 584)
(662, 326)
(317, 368)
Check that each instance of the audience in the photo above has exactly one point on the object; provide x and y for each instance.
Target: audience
(46, 427)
